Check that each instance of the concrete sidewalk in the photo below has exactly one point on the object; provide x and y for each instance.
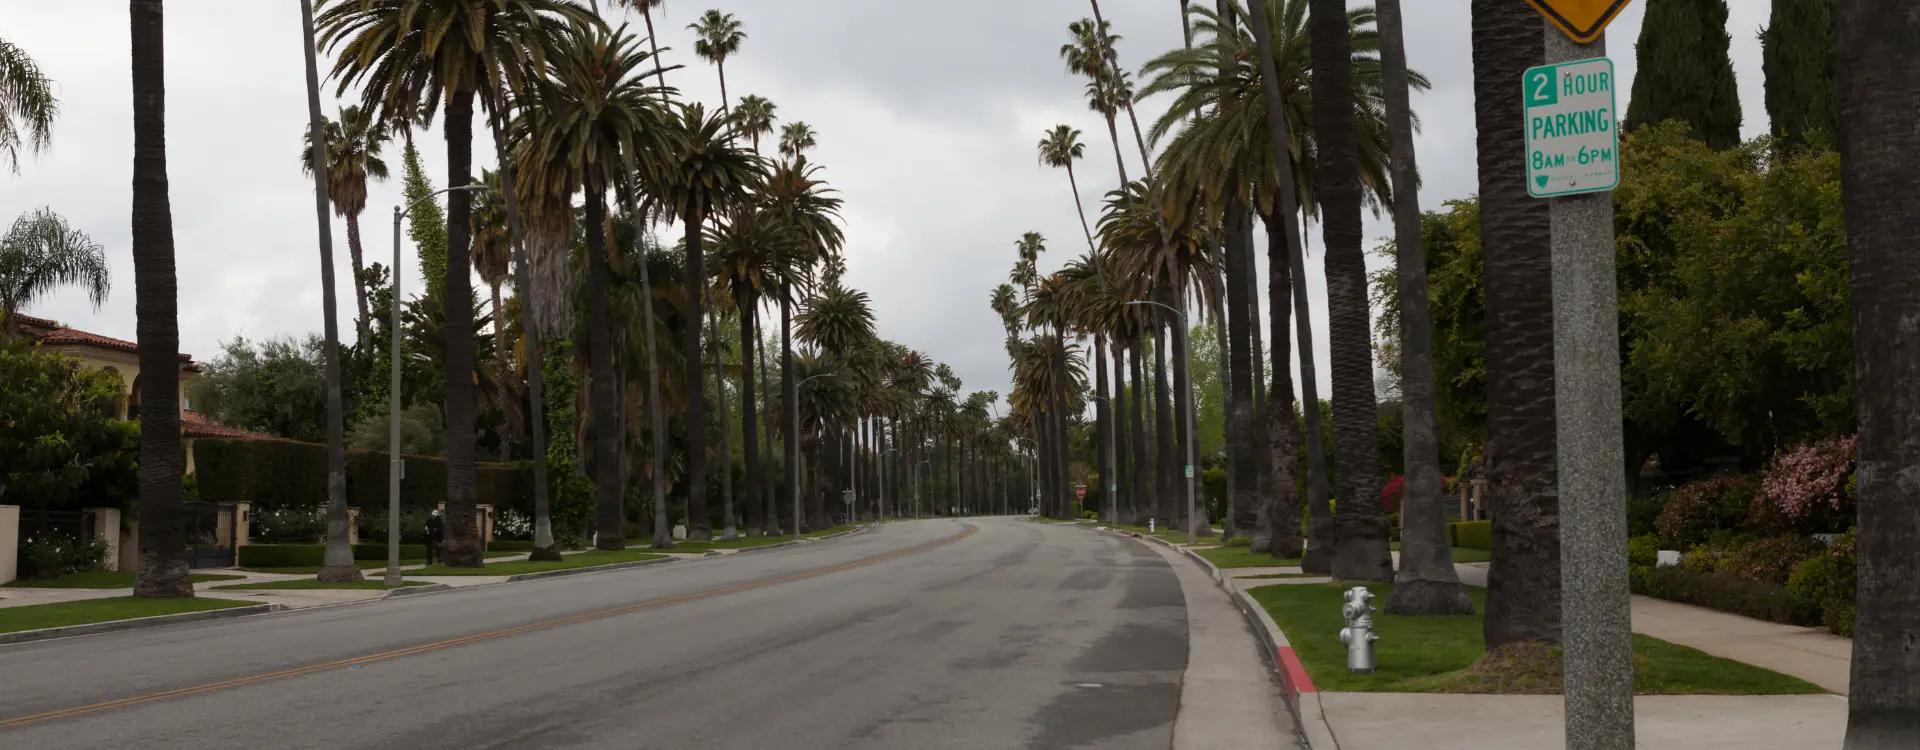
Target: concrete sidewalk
(1390, 721)
(1227, 697)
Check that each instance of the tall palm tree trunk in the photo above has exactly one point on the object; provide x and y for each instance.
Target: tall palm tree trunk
(790, 435)
(1103, 416)
(1523, 583)
(609, 519)
(1426, 583)
(1143, 493)
(1281, 416)
(337, 564)
(1194, 516)
(505, 374)
(1122, 439)
(164, 570)
(1080, 208)
(757, 506)
(359, 269)
(1245, 506)
(1165, 470)
(1360, 523)
(699, 525)
(544, 548)
(728, 530)
(463, 547)
(660, 70)
(768, 487)
(1878, 90)
(656, 407)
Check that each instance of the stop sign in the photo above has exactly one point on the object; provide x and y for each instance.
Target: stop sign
(1080, 491)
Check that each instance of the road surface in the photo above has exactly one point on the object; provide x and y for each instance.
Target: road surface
(983, 633)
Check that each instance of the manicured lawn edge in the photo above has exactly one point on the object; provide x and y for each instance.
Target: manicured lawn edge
(225, 609)
(588, 569)
(106, 579)
(310, 584)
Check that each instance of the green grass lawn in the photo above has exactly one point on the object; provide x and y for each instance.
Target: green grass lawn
(372, 564)
(105, 579)
(580, 560)
(309, 583)
(85, 612)
(1241, 557)
(1281, 575)
(1463, 554)
(1433, 654)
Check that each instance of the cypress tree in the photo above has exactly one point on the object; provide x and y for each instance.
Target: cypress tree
(1797, 53)
(1684, 72)
(426, 225)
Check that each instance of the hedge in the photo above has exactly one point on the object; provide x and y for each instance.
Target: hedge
(379, 552)
(1471, 534)
(509, 545)
(1727, 593)
(282, 555)
(285, 473)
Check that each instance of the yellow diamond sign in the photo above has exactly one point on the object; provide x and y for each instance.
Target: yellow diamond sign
(1583, 20)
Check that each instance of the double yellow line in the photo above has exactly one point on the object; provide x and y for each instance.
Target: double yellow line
(435, 646)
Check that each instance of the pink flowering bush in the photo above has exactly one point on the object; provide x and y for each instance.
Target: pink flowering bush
(1808, 481)
(1393, 492)
(1700, 508)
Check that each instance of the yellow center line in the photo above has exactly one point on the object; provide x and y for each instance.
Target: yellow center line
(396, 653)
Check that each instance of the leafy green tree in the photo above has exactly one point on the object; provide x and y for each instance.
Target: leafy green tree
(1797, 56)
(27, 105)
(426, 223)
(39, 253)
(58, 432)
(277, 386)
(1684, 71)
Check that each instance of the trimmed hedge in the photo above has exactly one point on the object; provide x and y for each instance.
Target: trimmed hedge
(282, 555)
(289, 474)
(508, 545)
(1726, 593)
(1471, 534)
(379, 552)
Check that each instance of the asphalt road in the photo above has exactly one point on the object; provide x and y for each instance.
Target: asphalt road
(911, 635)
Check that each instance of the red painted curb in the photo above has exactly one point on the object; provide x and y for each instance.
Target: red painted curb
(1292, 672)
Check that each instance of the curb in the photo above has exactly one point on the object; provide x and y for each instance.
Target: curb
(778, 545)
(1296, 688)
(431, 588)
(545, 574)
(115, 626)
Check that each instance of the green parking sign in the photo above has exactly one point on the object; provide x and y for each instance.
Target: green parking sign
(1573, 138)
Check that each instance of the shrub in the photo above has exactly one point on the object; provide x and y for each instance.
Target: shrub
(1239, 541)
(1726, 593)
(54, 555)
(1643, 513)
(288, 474)
(510, 545)
(1839, 618)
(1392, 493)
(1471, 534)
(294, 524)
(281, 555)
(1696, 510)
(1393, 527)
(1828, 578)
(1771, 559)
(379, 552)
(1810, 475)
(413, 524)
(1643, 551)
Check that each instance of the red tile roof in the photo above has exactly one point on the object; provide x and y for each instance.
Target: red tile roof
(200, 426)
(50, 332)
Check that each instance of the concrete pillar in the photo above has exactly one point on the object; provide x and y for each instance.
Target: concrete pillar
(485, 522)
(1462, 482)
(9, 543)
(129, 544)
(106, 527)
(1479, 499)
(353, 526)
(236, 525)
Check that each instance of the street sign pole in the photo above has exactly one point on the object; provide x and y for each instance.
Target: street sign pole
(1573, 160)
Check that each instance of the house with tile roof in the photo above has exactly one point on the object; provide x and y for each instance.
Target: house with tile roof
(122, 358)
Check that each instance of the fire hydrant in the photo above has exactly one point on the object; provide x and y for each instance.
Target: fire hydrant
(1358, 635)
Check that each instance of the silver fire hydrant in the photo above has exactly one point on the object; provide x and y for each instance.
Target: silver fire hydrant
(1358, 635)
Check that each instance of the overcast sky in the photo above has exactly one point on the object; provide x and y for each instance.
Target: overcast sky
(928, 114)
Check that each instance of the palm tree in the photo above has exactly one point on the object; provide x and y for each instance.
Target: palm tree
(1426, 584)
(809, 213)
(746, 248)
(839, 321)
(1361, 550)
(702, 172)
(1059, 149)
(337, 566)
(409, 56)
(602, 118)
(754, 117)
(39, 253)
(1523, 584)
(26, 103)
(163, 570)
(493, 260)
(795, 139)
(646, 12)
(1091, 54)
(352, 155)
(1877, 94)
(717, 36)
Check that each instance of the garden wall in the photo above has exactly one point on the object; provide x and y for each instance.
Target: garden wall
(275, 474)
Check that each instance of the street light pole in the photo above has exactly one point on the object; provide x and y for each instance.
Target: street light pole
(795, 414)
(396, 466)
(1186, 451)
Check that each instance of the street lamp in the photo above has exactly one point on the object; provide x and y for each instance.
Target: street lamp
(1186, 452)
(799, 470)
(1033, 462)
(395, 466)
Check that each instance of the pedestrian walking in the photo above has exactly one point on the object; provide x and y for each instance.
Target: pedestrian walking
(436, 531)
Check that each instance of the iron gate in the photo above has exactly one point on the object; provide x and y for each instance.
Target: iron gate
(211, 534)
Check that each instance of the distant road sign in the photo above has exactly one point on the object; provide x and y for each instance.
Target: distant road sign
(1582, 20)
(1080, 491)
(1573, 139)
